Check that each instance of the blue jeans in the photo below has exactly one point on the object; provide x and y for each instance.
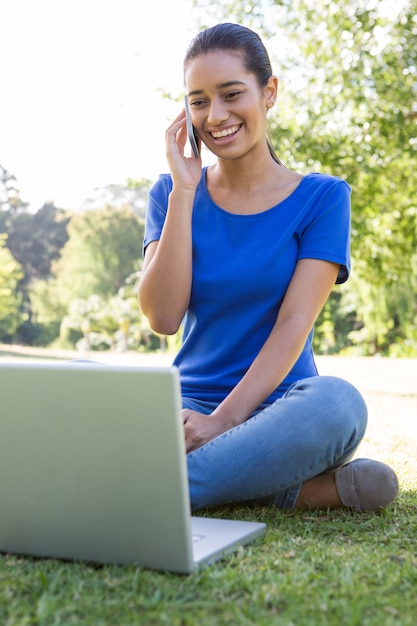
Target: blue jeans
(316, 426)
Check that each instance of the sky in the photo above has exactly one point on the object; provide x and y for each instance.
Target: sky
(80, 104)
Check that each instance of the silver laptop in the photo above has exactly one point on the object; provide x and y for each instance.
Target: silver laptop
(93, 467)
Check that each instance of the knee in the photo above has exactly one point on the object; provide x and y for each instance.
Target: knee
(335, 403)
(346, 394)
(345, 404)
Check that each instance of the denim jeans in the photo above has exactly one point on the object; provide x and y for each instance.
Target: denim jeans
(316, 426)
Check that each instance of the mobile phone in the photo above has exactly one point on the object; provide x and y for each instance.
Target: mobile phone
(192, 135)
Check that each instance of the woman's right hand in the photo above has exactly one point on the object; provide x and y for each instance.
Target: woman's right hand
(165, 285)
(185, 171)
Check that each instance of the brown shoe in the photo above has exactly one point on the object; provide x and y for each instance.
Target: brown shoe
(366, 485)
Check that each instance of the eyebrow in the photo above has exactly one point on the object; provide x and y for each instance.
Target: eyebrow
(229, 83)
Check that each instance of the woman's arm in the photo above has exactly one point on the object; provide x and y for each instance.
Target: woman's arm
(165, 286)
(306, 295)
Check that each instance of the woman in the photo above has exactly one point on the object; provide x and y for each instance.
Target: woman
(245, 253)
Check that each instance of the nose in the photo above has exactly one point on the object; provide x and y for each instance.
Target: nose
(218, 112)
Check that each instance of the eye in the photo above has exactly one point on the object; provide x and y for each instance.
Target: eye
(232, 94)
(196, 103)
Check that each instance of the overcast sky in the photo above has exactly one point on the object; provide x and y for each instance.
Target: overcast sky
(80, 106)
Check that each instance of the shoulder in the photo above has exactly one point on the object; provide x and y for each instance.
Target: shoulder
(325, 182)
(323, 193)
(162, 186)
(164, 182)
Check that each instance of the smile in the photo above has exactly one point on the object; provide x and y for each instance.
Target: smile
(218, 134)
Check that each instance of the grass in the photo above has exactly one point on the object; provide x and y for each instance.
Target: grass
(336, 568)
(319, 568)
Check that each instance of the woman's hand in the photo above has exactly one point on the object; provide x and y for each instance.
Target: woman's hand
(185, 171)
(200, 429)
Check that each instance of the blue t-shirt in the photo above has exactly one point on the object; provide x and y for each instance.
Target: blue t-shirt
(242, 265)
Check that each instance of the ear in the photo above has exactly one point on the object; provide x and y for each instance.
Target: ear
(271, 92)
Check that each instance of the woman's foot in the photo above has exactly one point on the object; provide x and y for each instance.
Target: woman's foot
(362, 485)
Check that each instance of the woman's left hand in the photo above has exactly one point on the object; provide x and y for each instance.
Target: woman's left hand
(200, 429)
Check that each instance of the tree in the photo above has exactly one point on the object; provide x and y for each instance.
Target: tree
(36, 239)
(10, 199)
(133, 194)
(103, 249)
(363, 128)
(115, 323)
(10, 275)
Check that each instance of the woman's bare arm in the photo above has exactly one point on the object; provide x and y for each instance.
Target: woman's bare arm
(165, 286)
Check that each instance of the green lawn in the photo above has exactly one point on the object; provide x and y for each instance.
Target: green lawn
(310, 569)
(337, 568)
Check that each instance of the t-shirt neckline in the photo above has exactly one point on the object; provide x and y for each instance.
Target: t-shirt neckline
(250, 215)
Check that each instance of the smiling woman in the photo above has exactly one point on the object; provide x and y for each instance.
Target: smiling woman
(245, 253)
(256, 61)
(227, 112)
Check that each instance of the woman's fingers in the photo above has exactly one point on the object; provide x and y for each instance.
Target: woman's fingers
(184, 169)
(176, 133)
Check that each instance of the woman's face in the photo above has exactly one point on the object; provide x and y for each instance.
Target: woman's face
(228, 108)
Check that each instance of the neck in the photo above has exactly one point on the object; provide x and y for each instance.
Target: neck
(247, 172)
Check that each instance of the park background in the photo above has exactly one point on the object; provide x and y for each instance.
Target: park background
(89, 89)
(347, 106)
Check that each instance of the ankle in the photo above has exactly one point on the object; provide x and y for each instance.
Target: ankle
(319, 493)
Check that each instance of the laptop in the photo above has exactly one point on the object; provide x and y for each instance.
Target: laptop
(93, 468)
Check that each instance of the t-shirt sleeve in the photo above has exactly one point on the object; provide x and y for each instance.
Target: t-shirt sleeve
(326, 235)
(156, 209)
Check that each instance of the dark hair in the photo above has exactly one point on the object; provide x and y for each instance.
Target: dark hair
(235, 37)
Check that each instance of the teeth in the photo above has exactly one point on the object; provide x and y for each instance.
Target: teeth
(224, 133)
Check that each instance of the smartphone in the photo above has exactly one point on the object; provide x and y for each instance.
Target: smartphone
(192, 135)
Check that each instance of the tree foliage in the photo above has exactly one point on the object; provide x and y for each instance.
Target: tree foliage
(115, 323)
(35, 239)
(103, 249)
(133, 194)
(10, 199)
(10, 275)
(73, 273)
